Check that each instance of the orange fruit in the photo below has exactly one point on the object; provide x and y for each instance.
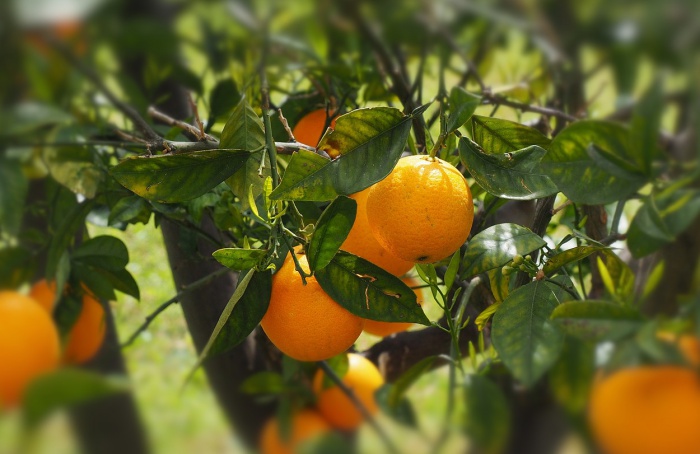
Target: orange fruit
(44, 293)
(422, 211)
(87, 334)
(303, 321)
(310, 128)
(305, 425)
(384, 329)
(363, 378)
(647, 410)
(362, 243)
(29, 345)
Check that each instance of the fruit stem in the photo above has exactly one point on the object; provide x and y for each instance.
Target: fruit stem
(328, 370)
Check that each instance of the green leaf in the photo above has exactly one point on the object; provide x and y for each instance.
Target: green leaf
(243, 130)
(178, 177)
(248, 175)
(487, 419)
(596, 319)
(563, 258)
(571, 376)
(617, 275)
(242, 313)
(498, 136)
(70, 223)
(402, 412)
(65, 388)
(130, 209)
(331, 230)
(462, 106)
(644, 128)
(368, 291)
(29, 116)
(223, 97)
(496, 246)
(265, 382)
(104, 252)
(74, 168)
(13, 191)
(577, 175)
(367, 144)
(661, 219)
(391, 397)
(512, 175)
(526, 340)
(17, 265)
(239, 259)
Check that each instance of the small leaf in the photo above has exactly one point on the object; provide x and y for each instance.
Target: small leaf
(239, 259)
(452, 269)
(368, 291)
(498, 136)
(462, 106)
(367, 144)
(247, 180)
(487, 419)
(496, 246)
(243, 130)
(485, 315)
(522, 333)
(513, 175)
(596, 319)
(572, 255)
(65, 388)
(331, 230)
(178, 177)
(575, 173)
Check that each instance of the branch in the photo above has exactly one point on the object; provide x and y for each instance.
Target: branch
(164, 118)
(188, 288)
(497, 100)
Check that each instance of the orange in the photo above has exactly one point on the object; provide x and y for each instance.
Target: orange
(384, 329)
(303, 321)
(310, 128)
(29, 345)
(305, 425)
(44, 293)
(362, 243)
(87, 334)
(422, 211)
(647, 410)
(363, 378)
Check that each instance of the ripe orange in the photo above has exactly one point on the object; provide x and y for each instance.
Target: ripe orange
(29, 345)
(384, 329)
(310, 128)
(303, 321)
(363, 378)
(305, 425)
(362, 243)
(87, 334)
(44, 293)
(423, 211)
(647, 410)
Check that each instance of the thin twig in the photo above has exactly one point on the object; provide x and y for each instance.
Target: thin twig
(359, 405)
(285, 125)
(156, 114)
(490, 98)
(175, 299)
(195, 111)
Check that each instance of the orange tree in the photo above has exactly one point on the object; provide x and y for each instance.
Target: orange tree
(579, 210)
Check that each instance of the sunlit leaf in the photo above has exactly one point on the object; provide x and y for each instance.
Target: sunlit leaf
(243, 130)
(596, 319)
(331, 230)
(572, 255)
(462, 107)
(239, 259)
(498, 136)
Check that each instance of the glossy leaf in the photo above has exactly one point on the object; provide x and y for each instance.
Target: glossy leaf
(526, 340)
(462, 106)
(245, 314)
(368, 291)
(243, 130)
(498, 136)
(487, 419)
(65, 388)
(617, 276)
(568, 256)
(178, 177)
(496, 246)
(331, 230)
(512, 175)
(239, 259)
(577, 175)
(596, 319)
(367, 142)
(661, 218)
